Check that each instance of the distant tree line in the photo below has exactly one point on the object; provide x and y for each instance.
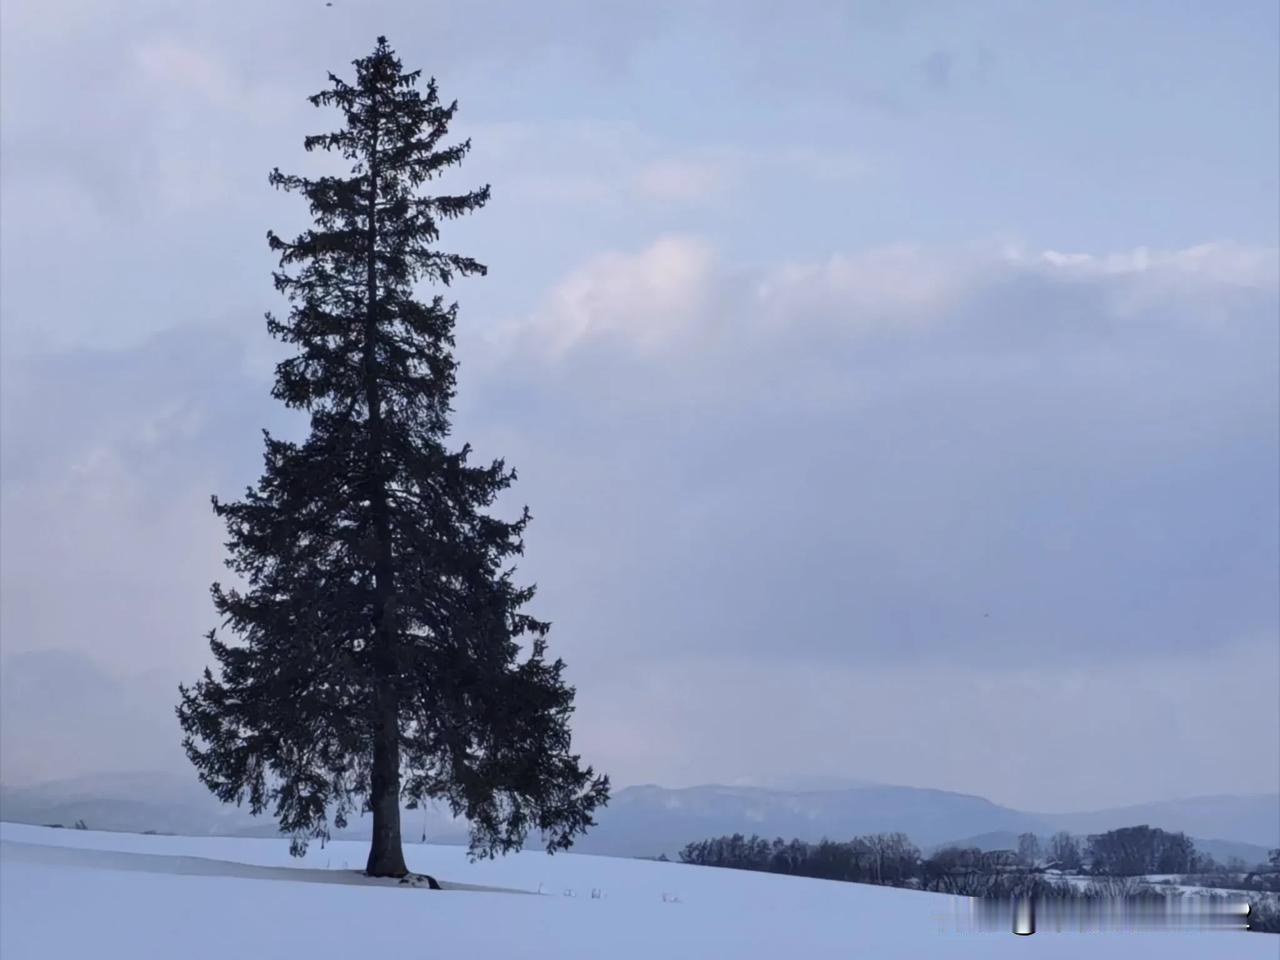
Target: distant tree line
(886, 858)
(1115, 863)
(1134, 851)
(891, 858)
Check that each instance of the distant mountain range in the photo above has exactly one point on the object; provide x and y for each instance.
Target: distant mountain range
(167, 803)
(650, 820)
(640, 821)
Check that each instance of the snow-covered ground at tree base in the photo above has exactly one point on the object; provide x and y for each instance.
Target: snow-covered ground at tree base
(84, 894)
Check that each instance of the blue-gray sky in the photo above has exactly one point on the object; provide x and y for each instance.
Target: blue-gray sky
(895, 386)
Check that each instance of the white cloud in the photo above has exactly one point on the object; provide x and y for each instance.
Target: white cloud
(888, 282)
(862, 455)
(647, 298)
(1229, 264)
(805, 486)
(1144, 278)
(845, 459)
(680, 285)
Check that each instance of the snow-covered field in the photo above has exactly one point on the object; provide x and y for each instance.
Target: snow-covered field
(83, 894)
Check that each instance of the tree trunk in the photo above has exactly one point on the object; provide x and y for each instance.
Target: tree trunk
(386, 857)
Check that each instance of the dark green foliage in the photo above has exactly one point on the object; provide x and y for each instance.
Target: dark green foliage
(379, 654)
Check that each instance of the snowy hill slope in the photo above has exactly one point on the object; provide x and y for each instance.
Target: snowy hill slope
(72, 893)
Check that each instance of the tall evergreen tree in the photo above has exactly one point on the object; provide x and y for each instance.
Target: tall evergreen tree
(379, 657)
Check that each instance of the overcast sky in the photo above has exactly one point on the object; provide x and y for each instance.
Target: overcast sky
(895, 386)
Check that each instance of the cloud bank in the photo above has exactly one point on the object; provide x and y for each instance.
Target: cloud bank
(887, 493)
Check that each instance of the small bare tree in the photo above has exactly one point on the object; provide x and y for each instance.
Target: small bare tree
(1028, 849)
(1065, 849)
